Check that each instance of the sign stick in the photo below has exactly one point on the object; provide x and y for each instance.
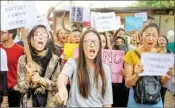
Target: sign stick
(26, 45)
(26, 49)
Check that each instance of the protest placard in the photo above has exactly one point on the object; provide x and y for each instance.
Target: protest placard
(114, 58)
(69, 49)
(142, 14)
(76, 52)
(106, 21)
(118, 22)
(92, 19)
(132, 23)
(17, 14)
(156, 64)
(79, 14)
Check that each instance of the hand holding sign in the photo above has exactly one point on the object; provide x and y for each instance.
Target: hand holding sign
(138, 69)
(31, 69)
(156, 64)
(171, 72)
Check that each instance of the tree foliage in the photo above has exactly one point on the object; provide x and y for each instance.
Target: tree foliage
(155, 3)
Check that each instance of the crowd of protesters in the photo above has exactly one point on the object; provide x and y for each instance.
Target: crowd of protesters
(51, 80)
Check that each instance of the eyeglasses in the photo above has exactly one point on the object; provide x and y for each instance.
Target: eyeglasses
(44, 34)
(89, 42)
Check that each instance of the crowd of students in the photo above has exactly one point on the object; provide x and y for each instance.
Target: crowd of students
(51, 80)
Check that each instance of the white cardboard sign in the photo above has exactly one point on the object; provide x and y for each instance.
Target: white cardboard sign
(156, 64)
(18, 14)
(92, 19)
(79, 14)
(106, 22)
(142, 14)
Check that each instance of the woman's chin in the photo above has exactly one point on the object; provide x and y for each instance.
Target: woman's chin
(39, 49)
(91, 57)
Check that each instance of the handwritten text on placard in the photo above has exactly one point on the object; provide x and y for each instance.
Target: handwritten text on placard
(17, 14)
(156, 64)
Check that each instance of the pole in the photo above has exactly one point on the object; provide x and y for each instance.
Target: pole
(26, 45)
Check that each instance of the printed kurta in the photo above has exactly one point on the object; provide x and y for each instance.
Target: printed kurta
(51, 75)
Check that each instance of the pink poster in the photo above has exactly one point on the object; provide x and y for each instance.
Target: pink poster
(75, 53)
(116, 78)
(114, 58)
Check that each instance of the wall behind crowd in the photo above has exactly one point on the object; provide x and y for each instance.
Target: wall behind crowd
(165, 22)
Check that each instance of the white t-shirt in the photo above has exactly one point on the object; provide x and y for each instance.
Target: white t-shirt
(95, 98)
(3, 59)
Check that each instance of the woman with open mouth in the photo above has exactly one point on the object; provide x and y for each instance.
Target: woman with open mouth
(37, 80)
(62, 37)
(134, 42)
(90, 80)
(75, 36)
(144, 90)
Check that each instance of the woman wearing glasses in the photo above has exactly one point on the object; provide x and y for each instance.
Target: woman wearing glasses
(37, 80)
(90, 80)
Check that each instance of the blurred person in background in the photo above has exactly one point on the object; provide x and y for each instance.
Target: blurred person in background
(111, 36)
(105, 40)
(13, 51)
(162, 43)
(120, 32)
(120, 91)
(3, 79)
(134, 40)
(62, 38)
(75, 36)
(170, 36)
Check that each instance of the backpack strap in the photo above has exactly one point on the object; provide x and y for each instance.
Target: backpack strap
(138, 55)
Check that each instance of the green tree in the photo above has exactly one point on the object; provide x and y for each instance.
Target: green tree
(155, 3)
